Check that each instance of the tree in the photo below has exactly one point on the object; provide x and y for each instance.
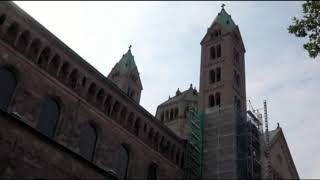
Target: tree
(309, 26)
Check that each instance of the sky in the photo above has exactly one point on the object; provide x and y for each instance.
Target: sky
(165, 39)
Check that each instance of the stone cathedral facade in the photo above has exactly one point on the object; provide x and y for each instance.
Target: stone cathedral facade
(61, 118)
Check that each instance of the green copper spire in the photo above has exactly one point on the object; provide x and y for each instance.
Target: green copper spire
(224, 19)
(127, 63)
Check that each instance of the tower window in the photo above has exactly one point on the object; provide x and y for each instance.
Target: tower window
(212, 52)
(218, 74)
(236, 55)
(218, 99)
(212, 76)
(218, 50)
(211, 101)
(152, 172)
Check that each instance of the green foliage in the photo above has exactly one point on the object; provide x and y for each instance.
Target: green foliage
(309, 26)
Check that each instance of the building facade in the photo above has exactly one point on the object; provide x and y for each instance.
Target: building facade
(61, 118)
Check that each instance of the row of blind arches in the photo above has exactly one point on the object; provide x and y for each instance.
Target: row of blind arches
(52, 63)
(48, 120)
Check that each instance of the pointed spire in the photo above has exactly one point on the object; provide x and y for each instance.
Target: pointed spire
(127, 62)
(224, 19)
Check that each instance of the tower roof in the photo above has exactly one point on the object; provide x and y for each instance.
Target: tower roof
(127, 63)
(224, 19)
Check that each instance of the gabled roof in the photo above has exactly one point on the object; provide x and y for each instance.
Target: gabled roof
(189, 94)
(225, 20)
(274, 135)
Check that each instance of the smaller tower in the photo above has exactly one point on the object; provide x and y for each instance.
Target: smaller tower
(125, 75)
(174, 112)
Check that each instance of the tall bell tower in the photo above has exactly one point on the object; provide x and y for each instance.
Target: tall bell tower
(222, 96)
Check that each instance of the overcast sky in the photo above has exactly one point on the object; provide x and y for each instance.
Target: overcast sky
(166, 44)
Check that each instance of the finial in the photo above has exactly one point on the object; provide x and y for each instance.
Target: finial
(191, 86)
(222, 6)
(278, 125)
(130, 47)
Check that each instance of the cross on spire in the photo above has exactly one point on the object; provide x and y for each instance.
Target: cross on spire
(223, 5)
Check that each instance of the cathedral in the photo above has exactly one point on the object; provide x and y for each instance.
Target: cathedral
(61, 118)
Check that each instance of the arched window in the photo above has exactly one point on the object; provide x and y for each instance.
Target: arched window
(212, 77)
(177, 156)
(218, 50)
(167, 115)
(23, 41)
(211, 101)
(168, 147)
(83, 82)
(176, 112)
(73, 79)
(132, 94)
(162, 116)
(162, 145)
(8, 84)
(115, 110)
(123, 115)
(238, 80)
(152, 172)
(212, 52)
(87, 142)
(218, 99)
(218, 74)
(12, 32)
(107, 104)
(171, 114)
(92, 90)
(155, 140)
(172, 152)
(137, 127)
(130, 121)
(2, 19)
(122, 162)
(186, 111)
(49, 116)
(100, 96)
(54, 65)
(34, 49)
(150, 136)
(182, 161)
(64, 71)
(44, 57)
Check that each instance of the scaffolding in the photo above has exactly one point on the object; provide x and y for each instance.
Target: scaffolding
(194, 155)
(249, 130)
(267, 146)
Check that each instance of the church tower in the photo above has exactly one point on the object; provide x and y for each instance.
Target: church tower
(125, 75)
(222, 97)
